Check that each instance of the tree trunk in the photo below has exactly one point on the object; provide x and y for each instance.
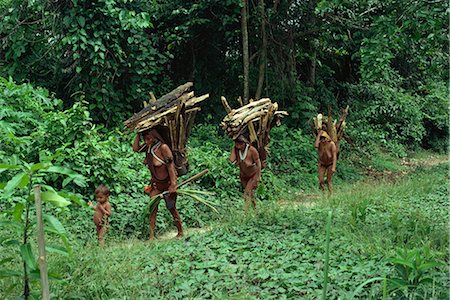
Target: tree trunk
(41, 244)
(263, 55)
(245, 50)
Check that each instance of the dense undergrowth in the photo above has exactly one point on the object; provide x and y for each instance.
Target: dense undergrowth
(369, 221)
(278, 251)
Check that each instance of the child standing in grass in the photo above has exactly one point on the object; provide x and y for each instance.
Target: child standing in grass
(102, 212)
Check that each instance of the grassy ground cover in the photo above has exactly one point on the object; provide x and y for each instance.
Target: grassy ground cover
(378, 227)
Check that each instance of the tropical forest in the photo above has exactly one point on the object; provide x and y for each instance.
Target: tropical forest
(232, 149)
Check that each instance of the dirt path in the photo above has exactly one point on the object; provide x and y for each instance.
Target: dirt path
(169, 235)
(311, 199)
(411, 164)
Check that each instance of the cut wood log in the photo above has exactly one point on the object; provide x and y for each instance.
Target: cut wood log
(332, 127)
(173, 113)
(253, 120)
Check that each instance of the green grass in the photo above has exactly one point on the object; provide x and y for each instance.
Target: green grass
(276, 252)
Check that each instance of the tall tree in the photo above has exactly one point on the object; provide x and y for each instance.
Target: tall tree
(245, 55)
(263, 51)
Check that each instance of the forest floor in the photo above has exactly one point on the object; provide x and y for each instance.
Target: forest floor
(277, 251)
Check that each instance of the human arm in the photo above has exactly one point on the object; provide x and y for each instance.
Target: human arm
(334, 153)
(168, 159)
(257, 162)
(136, 144)
(91, 205)
(316, 144)
(107, 208)
(233, 158)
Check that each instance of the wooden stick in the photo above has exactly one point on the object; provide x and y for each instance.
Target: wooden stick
(41, 244)
(193, 109)
(152, 98)
(253, 136)
(254, 103)
(193, 178)
(185, 182)
(225, 104)
(240, 101)
(196, 100)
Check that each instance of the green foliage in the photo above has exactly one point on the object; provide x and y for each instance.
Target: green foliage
(393, 119)
(15, 218)
(435, 108)
(277, 252)
(108, 50)
(293, 157)
(413, 273)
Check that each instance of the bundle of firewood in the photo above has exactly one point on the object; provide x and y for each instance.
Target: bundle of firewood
(173, 115)
(326, 123)
(254, 120)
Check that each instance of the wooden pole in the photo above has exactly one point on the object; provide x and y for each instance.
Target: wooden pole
(41, 244)
(193, 178)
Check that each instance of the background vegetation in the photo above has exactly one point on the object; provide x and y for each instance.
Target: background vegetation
(72, 71)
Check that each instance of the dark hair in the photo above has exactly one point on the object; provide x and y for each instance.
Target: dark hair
(102, 189)
(241, 139)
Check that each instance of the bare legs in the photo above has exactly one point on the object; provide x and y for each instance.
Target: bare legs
(173, 212)
(322, 170)
(249, 191)
(101, 232)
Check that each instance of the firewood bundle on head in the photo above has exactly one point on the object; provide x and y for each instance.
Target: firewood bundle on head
(172, 116)
(326, 123)
(253, 120)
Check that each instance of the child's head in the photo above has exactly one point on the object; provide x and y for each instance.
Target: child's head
(102, 193)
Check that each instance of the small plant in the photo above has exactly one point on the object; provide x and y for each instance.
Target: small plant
(413, 276)
(413, 268)
(358, 212)
(18, 219)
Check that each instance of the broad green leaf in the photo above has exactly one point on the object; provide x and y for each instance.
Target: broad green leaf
(55, 224)
(6, 166)
(56, 249)
(66, 181)
(67, 244)
(20, 181)
(36, 275)
(80, 181)
(48, 188)
(54, 198)
(361, 286)
(429, 265)
(61, 170)
(27, 256)
(81, 20)
(74, 198)
(17, 212)
(40, 166)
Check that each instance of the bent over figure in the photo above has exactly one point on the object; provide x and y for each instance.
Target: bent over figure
(159, 160)
(327, 151)
(247, 157)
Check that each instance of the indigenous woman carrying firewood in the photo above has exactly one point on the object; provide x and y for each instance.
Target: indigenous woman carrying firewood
(160, 162)
(165, 125)
(249, 126)
(328, 138)
(247, 157)
(327, 158)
